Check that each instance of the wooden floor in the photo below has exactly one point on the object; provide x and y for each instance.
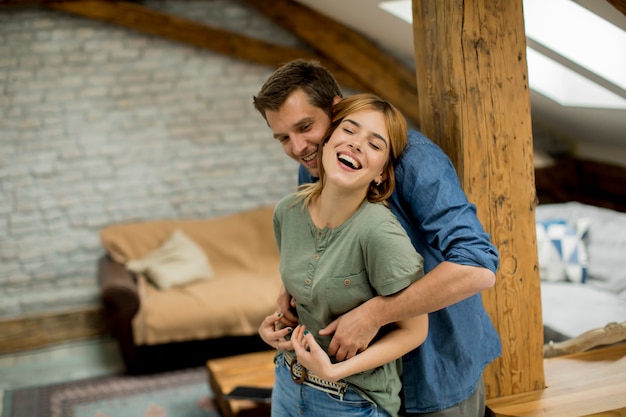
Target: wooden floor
(62, 362)
(586, 384)
(591, 383)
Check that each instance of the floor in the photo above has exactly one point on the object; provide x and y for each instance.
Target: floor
(60, 363)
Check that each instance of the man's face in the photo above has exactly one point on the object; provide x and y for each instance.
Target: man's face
(299, 127)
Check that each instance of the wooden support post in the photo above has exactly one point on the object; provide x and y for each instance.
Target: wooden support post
(474, 102)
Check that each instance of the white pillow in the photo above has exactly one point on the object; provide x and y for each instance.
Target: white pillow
(561, 250)
(178, 261)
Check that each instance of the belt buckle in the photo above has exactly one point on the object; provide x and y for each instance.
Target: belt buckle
(303, 375)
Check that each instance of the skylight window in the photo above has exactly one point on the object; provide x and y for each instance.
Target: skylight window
(567, 87)
(399, 8)
(578, 36)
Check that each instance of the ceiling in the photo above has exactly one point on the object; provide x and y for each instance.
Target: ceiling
(599, 133)
(601, 126)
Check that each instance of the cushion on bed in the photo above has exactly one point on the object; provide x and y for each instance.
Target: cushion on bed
(561, 250)
(606, 241)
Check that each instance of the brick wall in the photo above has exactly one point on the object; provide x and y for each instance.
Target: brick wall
(99, 125)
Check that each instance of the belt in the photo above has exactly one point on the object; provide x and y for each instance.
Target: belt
(300, 375)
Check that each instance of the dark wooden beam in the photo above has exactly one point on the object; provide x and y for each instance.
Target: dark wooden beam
(146, 20)
(380, 72)
(619, 5)
(26, 2)
(356, 62)
(143, 19)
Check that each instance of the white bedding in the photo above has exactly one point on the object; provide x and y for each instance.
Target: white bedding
(572, 308)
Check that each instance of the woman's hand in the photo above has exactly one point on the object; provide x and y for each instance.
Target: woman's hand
(311, 355)
(274, 333)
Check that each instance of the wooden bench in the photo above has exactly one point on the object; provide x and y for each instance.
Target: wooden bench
(590, 383)
(252, 369)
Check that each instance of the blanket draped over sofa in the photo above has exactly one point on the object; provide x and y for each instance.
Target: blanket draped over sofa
(225, 304)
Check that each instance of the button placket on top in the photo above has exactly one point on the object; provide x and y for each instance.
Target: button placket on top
(321, 240)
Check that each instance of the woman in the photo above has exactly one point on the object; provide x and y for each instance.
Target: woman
(340, 245)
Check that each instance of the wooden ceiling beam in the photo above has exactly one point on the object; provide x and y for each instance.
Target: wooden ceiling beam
(378, 70)
(26, 2)
(619, 5)
(356, 62)
(146, 20)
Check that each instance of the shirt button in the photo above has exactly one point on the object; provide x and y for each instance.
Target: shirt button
(346, 282)
(316, 256)
(319, 233)
(307, 281)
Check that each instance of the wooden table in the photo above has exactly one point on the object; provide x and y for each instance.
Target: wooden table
(252, 369)
(591, 383)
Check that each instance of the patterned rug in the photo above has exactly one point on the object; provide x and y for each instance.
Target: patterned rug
(182, 393)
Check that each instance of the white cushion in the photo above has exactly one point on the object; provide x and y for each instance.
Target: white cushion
(178, 261)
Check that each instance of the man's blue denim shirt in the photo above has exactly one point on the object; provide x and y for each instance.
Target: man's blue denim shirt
(443, 226)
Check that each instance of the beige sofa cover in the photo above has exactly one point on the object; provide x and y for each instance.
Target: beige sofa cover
(243, 254)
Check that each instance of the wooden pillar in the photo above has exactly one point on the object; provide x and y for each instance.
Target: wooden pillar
(474, 102)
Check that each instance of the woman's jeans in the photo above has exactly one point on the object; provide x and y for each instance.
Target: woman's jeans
(298, 400)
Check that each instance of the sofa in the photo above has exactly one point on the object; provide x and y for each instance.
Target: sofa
(176, 293)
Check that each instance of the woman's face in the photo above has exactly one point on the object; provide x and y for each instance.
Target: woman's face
(357, 151)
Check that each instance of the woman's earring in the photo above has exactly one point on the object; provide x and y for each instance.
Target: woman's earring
(378, 183)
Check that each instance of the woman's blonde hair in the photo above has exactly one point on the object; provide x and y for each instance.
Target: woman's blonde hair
(398, 139)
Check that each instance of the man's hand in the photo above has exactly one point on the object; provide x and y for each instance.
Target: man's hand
(353, 332)
(286, 308)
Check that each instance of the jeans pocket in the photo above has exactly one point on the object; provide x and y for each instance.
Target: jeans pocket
(351, 399)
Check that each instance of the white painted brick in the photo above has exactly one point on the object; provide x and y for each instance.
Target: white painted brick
(109, 125)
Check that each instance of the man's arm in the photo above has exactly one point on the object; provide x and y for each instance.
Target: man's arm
(445, 285)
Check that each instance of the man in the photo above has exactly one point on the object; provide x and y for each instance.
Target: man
(443, 377)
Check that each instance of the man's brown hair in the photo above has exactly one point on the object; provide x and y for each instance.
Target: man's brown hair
(314, 79)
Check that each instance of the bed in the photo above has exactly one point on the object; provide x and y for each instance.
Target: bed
(582, 262)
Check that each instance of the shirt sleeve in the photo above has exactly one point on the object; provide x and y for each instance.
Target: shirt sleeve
(432, 199)
(392, 261)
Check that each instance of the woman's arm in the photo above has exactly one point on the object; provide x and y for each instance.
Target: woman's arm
(408, 335)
